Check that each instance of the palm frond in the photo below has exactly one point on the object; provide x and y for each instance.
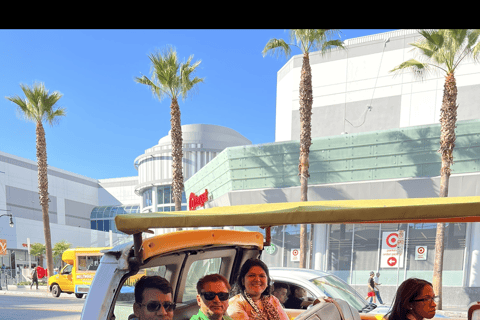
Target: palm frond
(277, 47)
(169, 76)
(418, 68)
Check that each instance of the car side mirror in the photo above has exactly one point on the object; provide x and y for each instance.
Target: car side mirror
(474, 311)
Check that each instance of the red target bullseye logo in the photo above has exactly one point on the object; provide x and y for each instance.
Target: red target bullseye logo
(421, 250)
(392, 261)
(392, 240)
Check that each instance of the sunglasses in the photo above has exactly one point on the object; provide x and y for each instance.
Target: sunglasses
(154, 306)
(222, 296)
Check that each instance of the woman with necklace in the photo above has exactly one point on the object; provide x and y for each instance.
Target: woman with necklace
(253, 300)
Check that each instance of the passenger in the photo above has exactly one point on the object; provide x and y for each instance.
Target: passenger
(280, 290)
(253, 299)
(153, 299)
(213, 291)
(414, 300)
(298, 300)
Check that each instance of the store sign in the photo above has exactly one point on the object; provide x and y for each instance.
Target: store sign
(270, 249)
(392, 256)
(3, 247)
(197, 201)
(295, 255)
(421, 253)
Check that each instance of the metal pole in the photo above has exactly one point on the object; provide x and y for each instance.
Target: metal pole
(351, 254)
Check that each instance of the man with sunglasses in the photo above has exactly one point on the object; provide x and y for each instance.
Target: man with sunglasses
(153, 299)
(213, 291)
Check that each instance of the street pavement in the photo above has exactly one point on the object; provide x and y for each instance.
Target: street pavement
(449, 311)
(23, 303)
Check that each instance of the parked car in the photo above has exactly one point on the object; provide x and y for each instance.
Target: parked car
(319, 284)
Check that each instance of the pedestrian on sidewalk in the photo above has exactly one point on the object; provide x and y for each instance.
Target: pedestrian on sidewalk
(371, 287)
(34, 278)
(376, 289)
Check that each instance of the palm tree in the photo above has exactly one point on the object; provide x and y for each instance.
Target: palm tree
(442, 51)
(172, 78)
(307, 40)
(39, 106)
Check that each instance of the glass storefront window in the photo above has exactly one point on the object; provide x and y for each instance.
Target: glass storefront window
(147, 198)
(166, 196)
(160, 194)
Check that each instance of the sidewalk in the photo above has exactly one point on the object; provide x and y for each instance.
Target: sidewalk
(25, 290)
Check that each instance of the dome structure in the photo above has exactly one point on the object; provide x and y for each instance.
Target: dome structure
(201, 143)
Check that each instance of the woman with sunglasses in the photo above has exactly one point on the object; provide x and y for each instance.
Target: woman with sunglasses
(253, 299)
(414, 300)
(153, 299)
(213, 291)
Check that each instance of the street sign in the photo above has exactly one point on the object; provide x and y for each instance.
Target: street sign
(391, 256)
(400, 242)
(421, 253)
(3, 247)
(295, 255)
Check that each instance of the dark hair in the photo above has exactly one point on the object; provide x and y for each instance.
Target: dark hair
(211, 278)
(281, 285)
(252, 262)
(406, 293)
(153, 282)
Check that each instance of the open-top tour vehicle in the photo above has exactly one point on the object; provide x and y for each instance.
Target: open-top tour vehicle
(182, 257)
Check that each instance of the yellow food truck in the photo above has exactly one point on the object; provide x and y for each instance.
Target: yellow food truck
(77, 275)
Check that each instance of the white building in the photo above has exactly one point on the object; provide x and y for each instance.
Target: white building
(82, 209)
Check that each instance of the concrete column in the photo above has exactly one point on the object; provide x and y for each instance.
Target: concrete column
(154, 199)
(319, 246)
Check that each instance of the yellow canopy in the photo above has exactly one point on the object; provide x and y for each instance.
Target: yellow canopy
(413, 210)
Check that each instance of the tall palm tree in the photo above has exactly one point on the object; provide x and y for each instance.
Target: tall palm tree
(307, 40)
(172, 78)
(39, 106)
(442, 51)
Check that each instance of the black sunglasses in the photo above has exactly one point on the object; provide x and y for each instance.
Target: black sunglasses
(154, 306)
(211, 295)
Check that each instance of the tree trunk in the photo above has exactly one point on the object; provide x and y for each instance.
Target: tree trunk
(43, 191)
(448, 121)
(306, 101)
(177, 154)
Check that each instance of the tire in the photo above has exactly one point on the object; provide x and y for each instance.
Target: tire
(56, 290)
(79, 295)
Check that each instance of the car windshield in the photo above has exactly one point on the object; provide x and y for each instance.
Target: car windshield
(335, 288)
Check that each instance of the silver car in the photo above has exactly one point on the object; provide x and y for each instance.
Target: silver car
(320, 284)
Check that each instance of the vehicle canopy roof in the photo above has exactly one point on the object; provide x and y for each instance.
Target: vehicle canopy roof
(411, 210)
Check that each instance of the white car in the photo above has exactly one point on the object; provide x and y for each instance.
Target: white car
(319, 284)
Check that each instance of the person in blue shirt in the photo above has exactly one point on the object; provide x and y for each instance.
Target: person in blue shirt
(213, 291)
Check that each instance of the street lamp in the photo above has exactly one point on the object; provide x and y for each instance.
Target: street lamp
(10, 215)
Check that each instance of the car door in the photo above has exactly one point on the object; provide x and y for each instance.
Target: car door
(65, 280)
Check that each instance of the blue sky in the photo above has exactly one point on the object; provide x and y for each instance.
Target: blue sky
(110, 118)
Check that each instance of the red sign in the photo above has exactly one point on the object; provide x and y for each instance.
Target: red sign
(194, 201)
(42, 272)
(392, 240)
(392, 261)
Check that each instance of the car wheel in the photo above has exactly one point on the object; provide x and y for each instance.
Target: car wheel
(79, 295)
(56, 290)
